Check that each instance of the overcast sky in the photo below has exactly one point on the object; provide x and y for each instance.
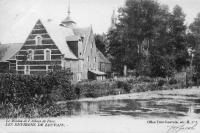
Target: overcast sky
(85, 12)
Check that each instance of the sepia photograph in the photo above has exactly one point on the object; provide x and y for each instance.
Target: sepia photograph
(100, 66)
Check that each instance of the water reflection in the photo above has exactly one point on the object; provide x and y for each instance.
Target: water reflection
(149, 108)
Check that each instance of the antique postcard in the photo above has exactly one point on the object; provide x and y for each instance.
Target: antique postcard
(99, 66)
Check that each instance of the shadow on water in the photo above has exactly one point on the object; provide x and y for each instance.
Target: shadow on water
(148, 108)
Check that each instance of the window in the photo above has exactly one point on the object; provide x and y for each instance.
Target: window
(79, 77)
(95, 59)
(47, 54)
(92, 48)
(27, 69)
(88, 59)
(30, 54)
(38, 40)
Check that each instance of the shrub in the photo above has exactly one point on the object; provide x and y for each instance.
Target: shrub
(161, 66)
(152, 87)
(161, 82)
(124, 85)
(196, 63)
(91, 93)
(172, 81)
(23, 87)
(101, 88)
(127, 87)
(144, 79)
(25, 95)
(120, 84)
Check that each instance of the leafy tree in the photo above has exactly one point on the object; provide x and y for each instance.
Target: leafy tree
(194, 36)
(191, 40)
(194, 40)
(116, 49)
(101, 42)
(195, 26)
(161, 66)
(147, 30)
(136, 23)
(178, 38)
(196, 63)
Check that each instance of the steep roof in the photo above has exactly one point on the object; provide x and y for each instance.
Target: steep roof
(85, 33)
(7, 51)
(102, 58)
(20, 31)
(58, 34)
(72, 38)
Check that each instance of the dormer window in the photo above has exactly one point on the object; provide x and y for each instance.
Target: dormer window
(47, 54)
(38, 40)
(30, 55)
(82, 38)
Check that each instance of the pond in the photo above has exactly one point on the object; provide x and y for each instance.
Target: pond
(158, 107)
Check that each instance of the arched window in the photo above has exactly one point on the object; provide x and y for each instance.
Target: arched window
(47, 54)
(30, 55)
(38, 40)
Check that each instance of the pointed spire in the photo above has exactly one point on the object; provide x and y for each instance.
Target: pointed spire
(113, 20)
(69, 12)
(113, 15)
(68, 22)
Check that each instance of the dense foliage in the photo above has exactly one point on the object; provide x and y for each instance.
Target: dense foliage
(101, 43)
(194, 41)
(33, 95)
(149, 38)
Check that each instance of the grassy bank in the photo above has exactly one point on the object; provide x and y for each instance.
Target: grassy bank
(125, 85)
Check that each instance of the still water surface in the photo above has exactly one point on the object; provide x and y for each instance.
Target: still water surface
(160, 107)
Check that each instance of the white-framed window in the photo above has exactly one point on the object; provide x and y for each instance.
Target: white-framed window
(88, 59)
(47, 54)
(30, 54)
(79, 77)
(27, 70)
(38, 40)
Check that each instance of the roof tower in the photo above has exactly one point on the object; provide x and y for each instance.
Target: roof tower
(68, 22)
